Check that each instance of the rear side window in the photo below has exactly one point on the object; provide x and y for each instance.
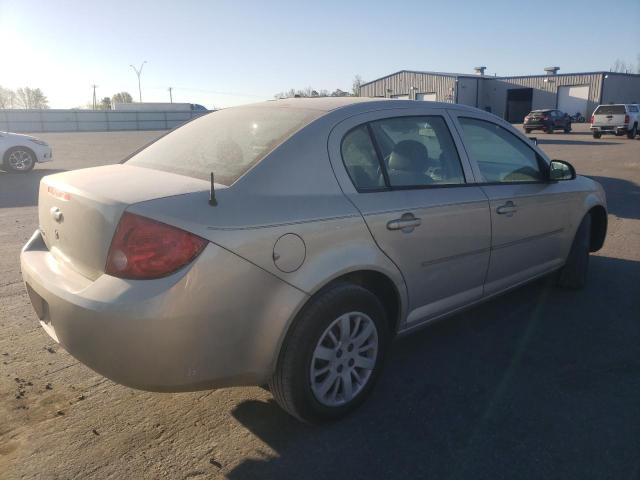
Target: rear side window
(409, 152)
(360, 159)
(633, 108)
(610, 110)
(501, 156)
(418, 151)
(227, 142)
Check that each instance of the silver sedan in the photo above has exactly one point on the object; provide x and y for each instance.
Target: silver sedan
(287, 243)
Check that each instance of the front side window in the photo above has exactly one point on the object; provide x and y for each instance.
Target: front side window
(501, 156)
(418, 151)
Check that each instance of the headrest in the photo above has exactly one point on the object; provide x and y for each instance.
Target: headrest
(409, 156)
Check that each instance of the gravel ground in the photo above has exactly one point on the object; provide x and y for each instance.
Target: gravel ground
(539, 383)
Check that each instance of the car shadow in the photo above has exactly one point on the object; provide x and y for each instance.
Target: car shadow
(21, 189)
(623, 196)
(554, 141)
(532, 384)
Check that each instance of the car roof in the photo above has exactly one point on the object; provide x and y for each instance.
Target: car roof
(328, 104)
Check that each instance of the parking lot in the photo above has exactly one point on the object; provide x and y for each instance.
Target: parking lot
(539, 383)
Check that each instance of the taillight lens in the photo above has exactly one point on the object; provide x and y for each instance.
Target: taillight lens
(593, 118)
(545, 118)
(626, 119)
(143, 248)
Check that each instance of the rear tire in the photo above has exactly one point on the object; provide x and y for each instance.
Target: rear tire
(323, 370)
(574, 273)
(549, 130)
(597, 135)
(631, 134)
(527, 131)
(567, 129)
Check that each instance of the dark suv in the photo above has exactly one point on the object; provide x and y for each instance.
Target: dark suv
(547, 121)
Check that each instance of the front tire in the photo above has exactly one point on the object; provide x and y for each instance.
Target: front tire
(527, 131)
(574, 273)
(332, 356)
(597, 135)
(631, 134)
(19, 160)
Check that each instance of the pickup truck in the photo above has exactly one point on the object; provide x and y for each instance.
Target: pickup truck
(618, 119)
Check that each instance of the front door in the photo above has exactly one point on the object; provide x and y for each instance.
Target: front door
(411, 188)
(529, 214)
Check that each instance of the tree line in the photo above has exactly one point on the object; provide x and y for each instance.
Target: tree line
(311, 92)
(24, 97)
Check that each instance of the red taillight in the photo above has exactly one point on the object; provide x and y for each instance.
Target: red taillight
(593, 117)
(142, 248)
(545, 118)
(626, 119)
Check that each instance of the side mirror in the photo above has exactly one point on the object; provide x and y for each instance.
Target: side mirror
(560, 170)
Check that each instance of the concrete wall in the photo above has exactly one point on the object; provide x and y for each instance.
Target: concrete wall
(621, 88)
(90, 120)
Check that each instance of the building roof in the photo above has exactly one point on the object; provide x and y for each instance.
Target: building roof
(499, 77)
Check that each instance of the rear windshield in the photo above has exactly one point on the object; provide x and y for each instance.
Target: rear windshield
(227, 142)
(610, 110)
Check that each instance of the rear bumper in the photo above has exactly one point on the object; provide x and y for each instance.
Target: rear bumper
(218, 322)
(609, 128)
(535, 126)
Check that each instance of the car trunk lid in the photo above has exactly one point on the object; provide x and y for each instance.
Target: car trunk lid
(79, 210)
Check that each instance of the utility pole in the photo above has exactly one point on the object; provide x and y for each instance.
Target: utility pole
(94, 96)
(138, 73)
(170, 95)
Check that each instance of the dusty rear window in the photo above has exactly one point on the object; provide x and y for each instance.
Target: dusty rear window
(610, 110)
(227, 142)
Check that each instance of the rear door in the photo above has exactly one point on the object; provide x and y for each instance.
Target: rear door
(529, 214)
(609, 115)
(403, 171)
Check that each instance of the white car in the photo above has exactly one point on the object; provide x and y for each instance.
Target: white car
(20, 153)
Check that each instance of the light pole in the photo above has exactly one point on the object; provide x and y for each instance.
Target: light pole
(138, 73)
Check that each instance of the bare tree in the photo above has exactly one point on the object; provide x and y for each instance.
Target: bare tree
(122, 97)
(105, 104)
(7, 98)
(357, 83)
(31, 98)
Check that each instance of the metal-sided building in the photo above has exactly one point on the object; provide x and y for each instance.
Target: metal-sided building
(511, 97)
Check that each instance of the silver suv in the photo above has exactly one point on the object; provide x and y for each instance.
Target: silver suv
(618, 119)
(332, 226)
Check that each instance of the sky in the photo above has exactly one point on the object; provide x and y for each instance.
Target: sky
(224, 53)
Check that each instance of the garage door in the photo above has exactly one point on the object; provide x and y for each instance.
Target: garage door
(573, 99)
(427, 97)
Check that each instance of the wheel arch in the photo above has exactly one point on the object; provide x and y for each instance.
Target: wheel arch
(5, 157)
(598, 227)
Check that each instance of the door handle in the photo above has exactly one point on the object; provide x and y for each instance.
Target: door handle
(407, 222)
(508, 209)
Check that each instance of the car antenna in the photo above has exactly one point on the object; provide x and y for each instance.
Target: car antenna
(212, 193)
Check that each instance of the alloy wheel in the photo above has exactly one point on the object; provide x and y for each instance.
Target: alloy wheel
(344, 359)
(20, 160)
